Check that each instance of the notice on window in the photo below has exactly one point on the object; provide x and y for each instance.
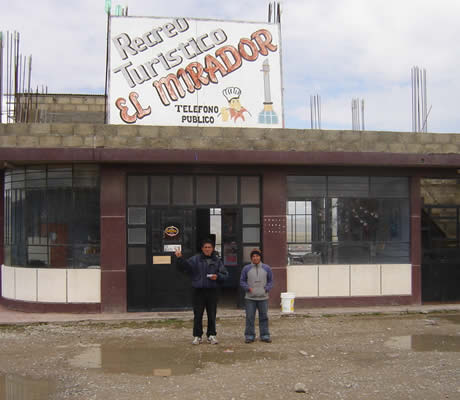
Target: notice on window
(171, 248)
(161, 260)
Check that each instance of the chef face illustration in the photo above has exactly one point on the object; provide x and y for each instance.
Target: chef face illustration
(234, 110)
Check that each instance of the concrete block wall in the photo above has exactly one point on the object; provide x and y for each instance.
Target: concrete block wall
(78, 135)
(440, 191)
(62, 108)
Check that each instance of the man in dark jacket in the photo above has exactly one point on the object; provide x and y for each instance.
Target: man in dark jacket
(207, 270)
(256, 280)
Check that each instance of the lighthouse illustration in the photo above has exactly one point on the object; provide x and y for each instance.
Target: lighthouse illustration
(267, 115)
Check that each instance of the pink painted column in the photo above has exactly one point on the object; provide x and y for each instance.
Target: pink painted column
(274, 231)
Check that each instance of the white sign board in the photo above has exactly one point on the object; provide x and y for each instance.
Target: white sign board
(190, 72)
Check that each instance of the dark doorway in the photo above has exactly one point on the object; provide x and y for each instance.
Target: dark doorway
(441, 254)
(159, 284)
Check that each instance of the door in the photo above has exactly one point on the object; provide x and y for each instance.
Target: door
(441, 254)
(158, 284)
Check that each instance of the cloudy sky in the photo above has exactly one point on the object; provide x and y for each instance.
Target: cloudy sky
(339, 49)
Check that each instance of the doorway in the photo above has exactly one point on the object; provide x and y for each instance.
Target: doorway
(441, 253)
(162, 222)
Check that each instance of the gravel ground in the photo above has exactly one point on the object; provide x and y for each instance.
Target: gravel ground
(413, 356)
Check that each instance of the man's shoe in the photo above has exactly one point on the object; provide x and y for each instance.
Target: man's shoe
(196, 340)
(266, 340)
(249, 341)
(212, 340)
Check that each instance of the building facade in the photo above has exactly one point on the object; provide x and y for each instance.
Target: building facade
(92, 213)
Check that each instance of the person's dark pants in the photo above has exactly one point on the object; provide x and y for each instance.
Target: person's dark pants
(204, 299)
(251, 307)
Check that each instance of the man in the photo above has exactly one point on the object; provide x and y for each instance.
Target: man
(206, 270)
(256, 280)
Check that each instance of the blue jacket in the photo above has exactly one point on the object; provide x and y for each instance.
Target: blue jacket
(198, 268)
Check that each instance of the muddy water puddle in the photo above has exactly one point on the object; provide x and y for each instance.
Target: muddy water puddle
(15, 387)
(441, 343)
(163, 361)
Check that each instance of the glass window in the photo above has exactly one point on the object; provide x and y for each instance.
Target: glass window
(36, 221)
(348, 186)
(38, 256)
(136, 255)
(215, 216)
(351, 226)
(250, 190)
(206, 190)
(251, 216)
(251, 235)
(60, 176)
(136, 235)
(159, 190)
(350, 253)
(17, 178)
(54, 222)
(299, 221)
(389, 253)
(182, 190)
(228, 190)
(137, 215)
(86, 175)
(306, 186)
(60, 215)
(393, 187)
(137, 190)
(86, 255)
(85, 225)
(36, 177)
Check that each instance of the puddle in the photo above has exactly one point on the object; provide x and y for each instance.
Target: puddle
(15, 387)
(163, 361)
(442, 343)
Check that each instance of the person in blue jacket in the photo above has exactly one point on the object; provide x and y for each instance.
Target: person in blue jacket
(256, 280)
(206, 270)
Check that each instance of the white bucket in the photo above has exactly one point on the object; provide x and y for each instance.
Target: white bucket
(287, 302)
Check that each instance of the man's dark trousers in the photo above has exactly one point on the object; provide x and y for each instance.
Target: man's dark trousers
(204, 299)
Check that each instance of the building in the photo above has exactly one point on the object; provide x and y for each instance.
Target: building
(93, 211)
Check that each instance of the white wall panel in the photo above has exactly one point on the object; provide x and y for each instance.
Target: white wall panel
(8, 285)
(396, 279)
(365, 280)
(84, 285)
(334, 280)
(26, 284)
(52, 284)
(302, 280)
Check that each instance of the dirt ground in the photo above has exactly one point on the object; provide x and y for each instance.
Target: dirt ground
(413, 356)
